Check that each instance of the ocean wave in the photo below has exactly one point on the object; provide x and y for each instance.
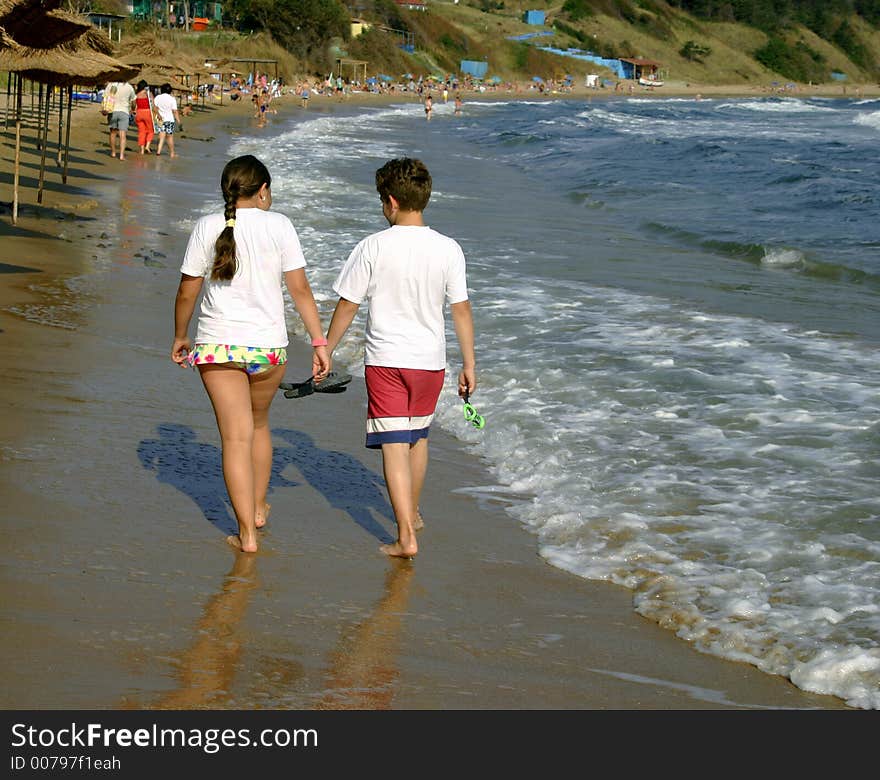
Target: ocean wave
(871, 120)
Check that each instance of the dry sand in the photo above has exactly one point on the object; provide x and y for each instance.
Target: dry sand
(119, 589)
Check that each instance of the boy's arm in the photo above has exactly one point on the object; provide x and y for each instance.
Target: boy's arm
(301, 291)
(463, 320)
(343, 314)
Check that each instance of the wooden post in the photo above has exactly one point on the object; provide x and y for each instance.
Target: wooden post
(15, 174)
(67, 134)
(45, 135)
(60, 125)
(8, 96)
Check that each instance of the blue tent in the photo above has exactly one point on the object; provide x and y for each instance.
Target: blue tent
(385, 77)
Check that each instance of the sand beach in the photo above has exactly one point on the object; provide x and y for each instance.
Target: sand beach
(121, 592)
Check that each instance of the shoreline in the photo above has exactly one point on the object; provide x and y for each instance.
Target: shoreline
(122, 593)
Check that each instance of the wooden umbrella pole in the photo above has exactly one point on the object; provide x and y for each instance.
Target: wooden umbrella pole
(60, 125)
(15, 174)
(67, 134)
(8, 96)
(45, 132)
(39, 116)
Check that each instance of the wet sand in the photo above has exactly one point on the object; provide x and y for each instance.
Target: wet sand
(120, 590)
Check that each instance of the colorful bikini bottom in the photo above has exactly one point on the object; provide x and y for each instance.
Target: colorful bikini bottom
(254, 360)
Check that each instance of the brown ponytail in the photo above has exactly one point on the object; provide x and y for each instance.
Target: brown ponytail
(242, 178)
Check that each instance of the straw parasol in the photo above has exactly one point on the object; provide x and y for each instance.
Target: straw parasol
(39, 23)
(79, 59)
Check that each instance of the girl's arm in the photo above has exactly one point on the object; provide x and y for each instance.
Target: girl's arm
(184, 305)
(301, 292)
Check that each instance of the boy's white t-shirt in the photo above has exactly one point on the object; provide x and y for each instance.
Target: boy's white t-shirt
(248, 310)
(407, 274)
(166, 103)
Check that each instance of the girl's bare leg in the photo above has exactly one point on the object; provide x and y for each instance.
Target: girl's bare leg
(263, 388)
(229, 390)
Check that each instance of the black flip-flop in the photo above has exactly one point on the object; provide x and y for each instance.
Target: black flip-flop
(334, 382)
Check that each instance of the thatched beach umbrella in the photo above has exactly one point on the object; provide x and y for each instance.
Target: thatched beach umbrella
(73, 62)
(39, 23)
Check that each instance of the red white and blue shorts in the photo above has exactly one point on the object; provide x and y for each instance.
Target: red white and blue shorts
(400, 404)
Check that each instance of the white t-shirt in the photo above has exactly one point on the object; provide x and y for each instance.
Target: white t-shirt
(407, 274)
(248, 310)
(124, 96)
(166, 103)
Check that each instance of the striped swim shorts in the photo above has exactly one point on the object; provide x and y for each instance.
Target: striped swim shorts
(400, 404)
(254, 360)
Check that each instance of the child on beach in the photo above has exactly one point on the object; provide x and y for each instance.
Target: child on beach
(406, 274)
(241, 257)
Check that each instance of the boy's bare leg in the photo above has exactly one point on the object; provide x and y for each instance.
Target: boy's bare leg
(229, 391)
(418, 459)
(397, 469)
(264, 386)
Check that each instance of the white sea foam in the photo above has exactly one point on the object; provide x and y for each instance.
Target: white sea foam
(721, 467)
(871, 120)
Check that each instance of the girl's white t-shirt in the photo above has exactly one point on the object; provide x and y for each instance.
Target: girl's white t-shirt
(407, 273)
(248, 310)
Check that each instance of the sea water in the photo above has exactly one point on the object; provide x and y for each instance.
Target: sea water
(677, 309)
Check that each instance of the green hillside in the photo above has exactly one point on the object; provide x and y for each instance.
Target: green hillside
(738, 42)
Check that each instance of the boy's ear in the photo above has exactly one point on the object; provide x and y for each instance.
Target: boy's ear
(392, 201)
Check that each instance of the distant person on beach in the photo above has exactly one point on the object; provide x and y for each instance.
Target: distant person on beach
(120, 117)
(144, 117)
(166, 105)
(241, 257)
(458, 104)
(429, 106)
(406, 274)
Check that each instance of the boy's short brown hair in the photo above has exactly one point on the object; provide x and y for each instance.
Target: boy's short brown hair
(407, 180)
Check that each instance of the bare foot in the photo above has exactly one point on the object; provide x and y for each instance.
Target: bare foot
(397, 550)
(248, 546)
(261, 517)
(419, 522)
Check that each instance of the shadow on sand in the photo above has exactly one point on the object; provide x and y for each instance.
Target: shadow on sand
(196, 470)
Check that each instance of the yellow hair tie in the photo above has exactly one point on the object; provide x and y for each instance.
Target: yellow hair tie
(230, 223)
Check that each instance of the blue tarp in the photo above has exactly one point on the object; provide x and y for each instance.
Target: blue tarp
(475, 68)
(614, 65)
(533, 17)
(528, 36)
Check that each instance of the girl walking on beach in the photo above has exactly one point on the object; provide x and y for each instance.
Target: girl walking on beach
(144, 116)
(241, 257)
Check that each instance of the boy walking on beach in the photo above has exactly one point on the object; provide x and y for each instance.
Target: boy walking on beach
(406, 274)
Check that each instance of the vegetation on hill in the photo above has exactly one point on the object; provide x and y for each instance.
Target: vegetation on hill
(703, 41)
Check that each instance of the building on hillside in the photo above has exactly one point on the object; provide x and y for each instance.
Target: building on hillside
(636, 68)
(533, 17)
(412, 5)
(171, 13)
(359, 27)
(112, 23)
